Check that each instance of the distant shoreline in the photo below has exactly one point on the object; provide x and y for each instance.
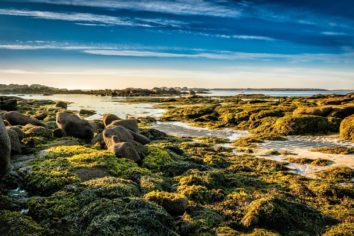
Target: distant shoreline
(279, 89)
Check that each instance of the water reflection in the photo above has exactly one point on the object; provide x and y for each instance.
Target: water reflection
(102, 105)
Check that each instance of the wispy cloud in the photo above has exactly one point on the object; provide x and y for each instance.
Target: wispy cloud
(178, 7)
(76, 17)
(126, 51)
(88, 19)
(239, 36)
(331, 33)
(228, 55)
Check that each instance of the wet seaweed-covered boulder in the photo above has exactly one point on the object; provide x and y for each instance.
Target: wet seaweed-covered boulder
(72, 125)
(276, 213)
(16, 223)
(83, 211)
(317, 111)
(109, 118)
(153, 134)
(35, 131)
(17, 118)
(61, 104)
(15, 141)
(346, 129)
(40, 116)
(301, 124)
(343, 112)
(174, 203)
(86, 112)
(5, 150)
(8, 103)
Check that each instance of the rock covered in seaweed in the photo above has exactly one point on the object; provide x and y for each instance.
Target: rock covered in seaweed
(8, 103)
(61, 104)
(346, 130)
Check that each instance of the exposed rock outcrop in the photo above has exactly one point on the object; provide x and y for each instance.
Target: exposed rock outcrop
(346, 130)
(72, 125)
(130, 124)
(109, 118)
(14, 140)
(5, 150)
(120, 139)
(8, 103)
(17, 118)
(61, 104)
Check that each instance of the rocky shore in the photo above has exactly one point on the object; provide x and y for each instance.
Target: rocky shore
(62, 174)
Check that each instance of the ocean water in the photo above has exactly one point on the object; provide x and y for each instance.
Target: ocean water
(276, 93)
(102, 105)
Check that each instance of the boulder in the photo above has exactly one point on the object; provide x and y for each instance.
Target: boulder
(109, 118)
(115, 134)
(40, 116)
(140, 138)
(20, 133)
(343, 112)
(174, 203)
(72, 125)
(126, 150)
(99, 139)
(5, 150)
(58, 133)
(121, 142)
(35, 131)
(61, 104)
(301, 124)
(17, 118)
(131, 124)
(14, 140)
(87, 112)
(8, 104)
(346, 129)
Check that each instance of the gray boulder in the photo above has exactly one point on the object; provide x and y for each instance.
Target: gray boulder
(125, 150)
(100, 140)
(140, 138)
(115, 134)
(121, 142)
(5, 150)
(109, 118)
(20, 133)
(131, 124)
(17, 118)
(72, 125)
(15, 141)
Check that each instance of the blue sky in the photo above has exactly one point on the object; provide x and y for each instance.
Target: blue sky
(117, 44)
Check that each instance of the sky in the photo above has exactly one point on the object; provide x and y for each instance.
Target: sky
(116, 44)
